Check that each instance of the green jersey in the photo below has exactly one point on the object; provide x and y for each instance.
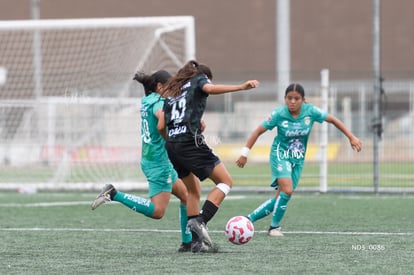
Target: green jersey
(152, 142)
(292, 133)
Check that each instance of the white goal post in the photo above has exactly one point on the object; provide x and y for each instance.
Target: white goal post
(69, 109)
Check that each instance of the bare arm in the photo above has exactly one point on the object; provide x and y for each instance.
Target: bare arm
(356, 144)
(222, 89)
(249, 144)
(161, 123)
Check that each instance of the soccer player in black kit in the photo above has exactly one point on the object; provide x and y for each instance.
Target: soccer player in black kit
(186, 97)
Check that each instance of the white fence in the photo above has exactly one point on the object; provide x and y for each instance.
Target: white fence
(81, 142)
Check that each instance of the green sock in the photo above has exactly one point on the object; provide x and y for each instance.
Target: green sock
(136, 203)
(263, 210)
(185, 234)
(279, 209)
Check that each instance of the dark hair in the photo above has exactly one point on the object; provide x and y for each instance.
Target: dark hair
(295, 87)
(205, 70)
(189, 70)
(150, 81)
(161, 76)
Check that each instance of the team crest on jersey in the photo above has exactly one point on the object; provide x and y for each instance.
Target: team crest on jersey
(307, 120)
(269, 118)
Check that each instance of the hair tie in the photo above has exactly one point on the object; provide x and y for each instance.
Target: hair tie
(195, 64)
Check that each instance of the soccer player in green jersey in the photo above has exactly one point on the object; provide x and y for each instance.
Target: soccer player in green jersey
(294, 123)
(162, 178)
(186, 98)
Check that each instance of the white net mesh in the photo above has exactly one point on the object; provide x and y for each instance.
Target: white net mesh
(69, 107)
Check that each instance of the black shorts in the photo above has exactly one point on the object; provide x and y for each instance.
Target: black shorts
(188, 157)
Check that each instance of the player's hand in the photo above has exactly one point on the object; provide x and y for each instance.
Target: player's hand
(250, 84)
(356, 144)
(241, 161)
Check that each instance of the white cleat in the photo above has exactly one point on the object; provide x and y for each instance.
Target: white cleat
(275, 232)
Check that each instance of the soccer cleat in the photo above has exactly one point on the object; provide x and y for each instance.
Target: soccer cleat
(199, 246)
(275, 232)
(185, 247)
(106, 195)
(199, 230)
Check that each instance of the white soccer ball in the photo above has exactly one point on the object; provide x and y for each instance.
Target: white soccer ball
(239, 230)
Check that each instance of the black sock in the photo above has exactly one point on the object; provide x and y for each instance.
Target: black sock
(192, 217)
(208, 211)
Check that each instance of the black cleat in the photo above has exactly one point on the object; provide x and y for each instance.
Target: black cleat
(185, 247)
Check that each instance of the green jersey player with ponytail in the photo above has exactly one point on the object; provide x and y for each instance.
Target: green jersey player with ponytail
(162, 178)
(294, 123)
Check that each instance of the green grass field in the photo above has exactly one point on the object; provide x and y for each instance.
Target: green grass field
(57, 233)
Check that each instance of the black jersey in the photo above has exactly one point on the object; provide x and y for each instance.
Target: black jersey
(183, 113)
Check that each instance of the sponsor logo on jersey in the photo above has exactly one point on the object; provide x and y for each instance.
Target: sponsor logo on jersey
(177, 131)
(186, 85)
(307, 120)
(297, 132)
(295, 151)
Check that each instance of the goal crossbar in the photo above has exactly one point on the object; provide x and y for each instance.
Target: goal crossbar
(69, 105)
(91, 23)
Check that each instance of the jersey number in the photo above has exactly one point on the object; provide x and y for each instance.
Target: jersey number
(145, 132)
(178, 110)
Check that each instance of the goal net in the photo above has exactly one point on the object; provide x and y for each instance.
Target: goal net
(69, 109)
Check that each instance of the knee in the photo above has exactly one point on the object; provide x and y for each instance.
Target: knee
(285, 195)
(287, 191)
(183, 197)
(228, 181)
(230, 184)
(224, 187)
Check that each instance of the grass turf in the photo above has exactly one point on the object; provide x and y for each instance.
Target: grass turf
(57, 233)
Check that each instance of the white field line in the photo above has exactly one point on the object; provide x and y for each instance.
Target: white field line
(53, 204)
(46, 204)
(148, 230)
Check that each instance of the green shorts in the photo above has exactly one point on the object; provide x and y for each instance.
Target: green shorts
(285, 169)
(160, 176)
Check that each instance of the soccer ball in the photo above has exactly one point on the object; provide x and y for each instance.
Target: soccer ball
(239, 230)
